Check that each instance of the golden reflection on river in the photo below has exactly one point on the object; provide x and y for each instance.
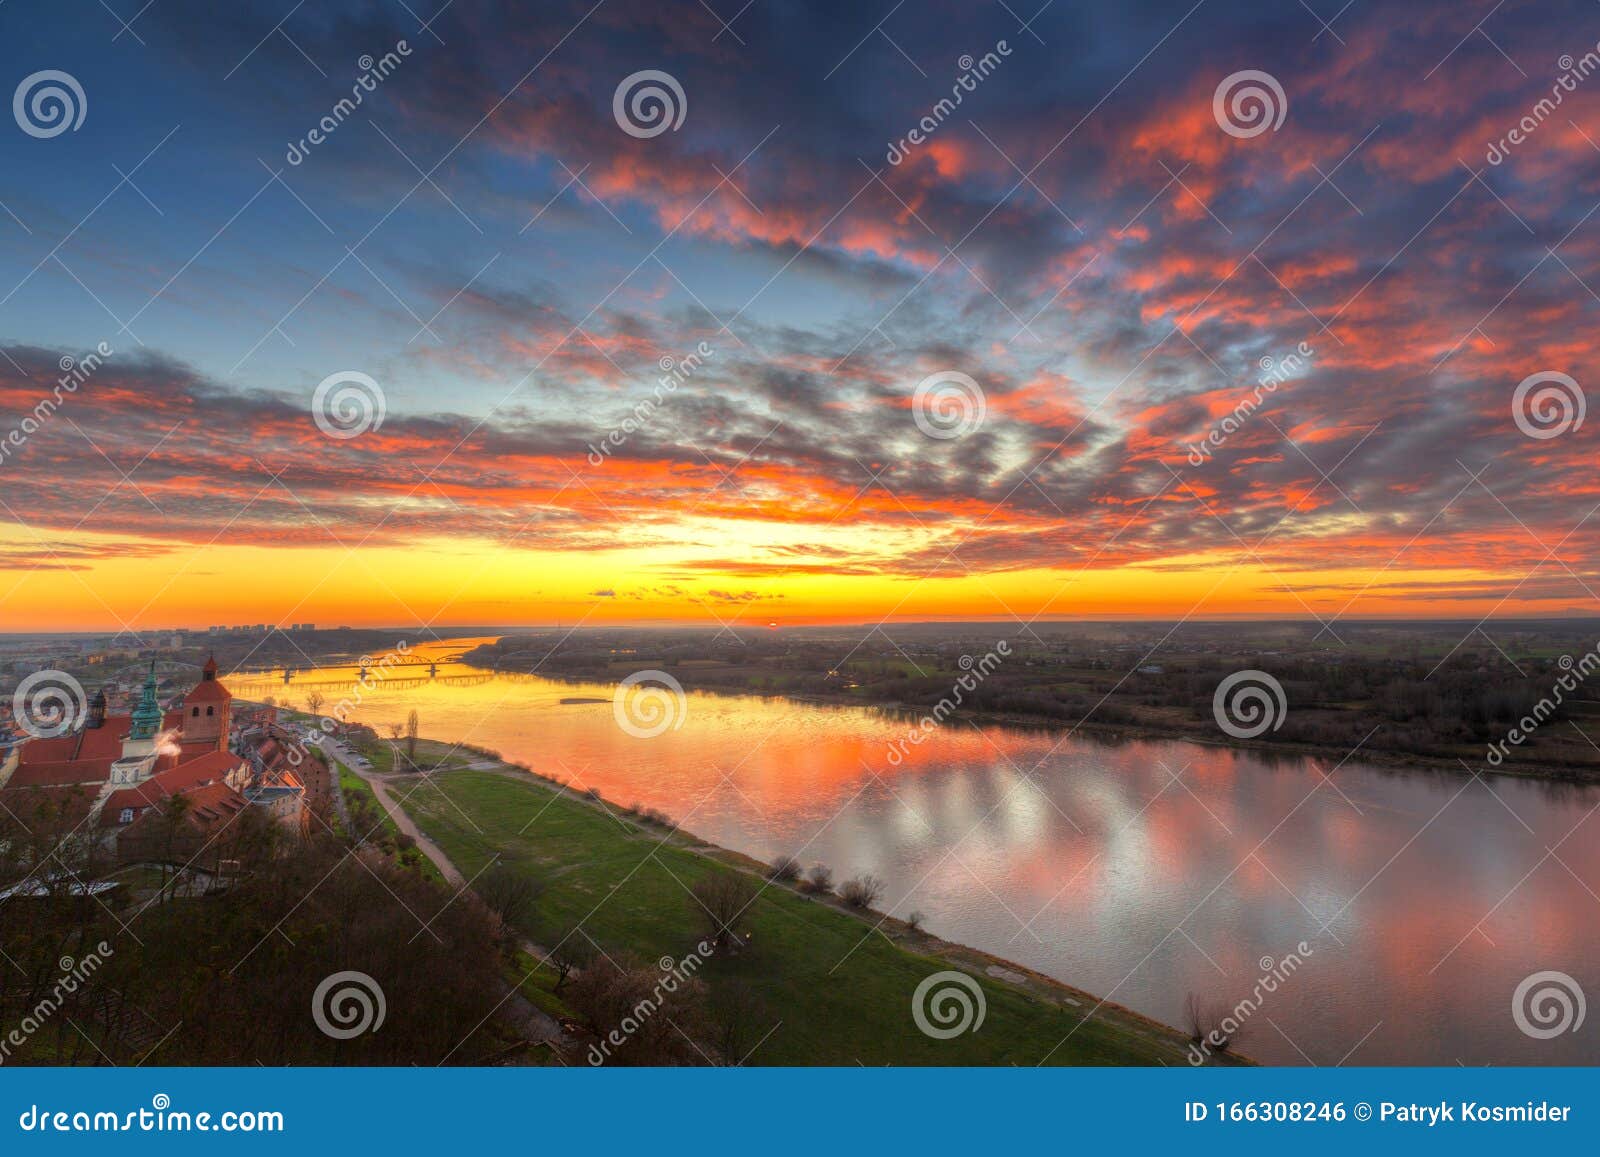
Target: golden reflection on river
(1138, 871)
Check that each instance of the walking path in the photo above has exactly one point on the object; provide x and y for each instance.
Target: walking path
(534, 1021)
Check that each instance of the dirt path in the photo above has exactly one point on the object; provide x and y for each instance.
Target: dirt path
(404, 822)
(534, 1022)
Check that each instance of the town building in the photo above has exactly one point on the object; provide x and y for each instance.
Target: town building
(118, 772)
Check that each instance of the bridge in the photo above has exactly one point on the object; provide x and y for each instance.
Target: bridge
(241, 685)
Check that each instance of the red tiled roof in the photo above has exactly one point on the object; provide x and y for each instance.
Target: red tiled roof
(207, 769)
(73, 802)
(210, 805)
(78, 771)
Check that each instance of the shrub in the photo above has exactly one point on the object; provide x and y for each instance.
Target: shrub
(915, 921)
(861, 891)
(819, 879)
(785, 869)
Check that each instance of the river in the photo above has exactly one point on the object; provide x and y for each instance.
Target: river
(1141, 871)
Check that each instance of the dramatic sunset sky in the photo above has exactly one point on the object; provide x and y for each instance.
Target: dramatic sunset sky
(1080, 237)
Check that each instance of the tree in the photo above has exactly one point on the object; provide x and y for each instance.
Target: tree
(720, 901)
(314, 702)
(510, 893)
(861, 891)
(640, 1015)
(411, 737)
(738, 1019)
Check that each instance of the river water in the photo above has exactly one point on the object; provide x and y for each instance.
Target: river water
(1140, 871)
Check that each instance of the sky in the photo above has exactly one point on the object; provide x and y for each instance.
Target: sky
(840, 312)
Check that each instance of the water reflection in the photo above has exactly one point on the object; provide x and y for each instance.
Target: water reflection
(1138, 870)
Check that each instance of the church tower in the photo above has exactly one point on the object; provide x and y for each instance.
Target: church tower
(207, 710)
(139, 748)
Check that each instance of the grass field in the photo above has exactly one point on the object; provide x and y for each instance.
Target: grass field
(838, 991)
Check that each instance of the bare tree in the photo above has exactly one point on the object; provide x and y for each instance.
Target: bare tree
(721, 900)
(738, 1019)
(819, 879)
(861, 891)
(314, 702)
(1204, 1021)
(510, 894)
(411, 737)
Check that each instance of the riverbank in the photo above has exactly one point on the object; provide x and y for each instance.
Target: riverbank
(1205, 733)
(819, 982)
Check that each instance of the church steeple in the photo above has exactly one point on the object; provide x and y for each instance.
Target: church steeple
(147, 715)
